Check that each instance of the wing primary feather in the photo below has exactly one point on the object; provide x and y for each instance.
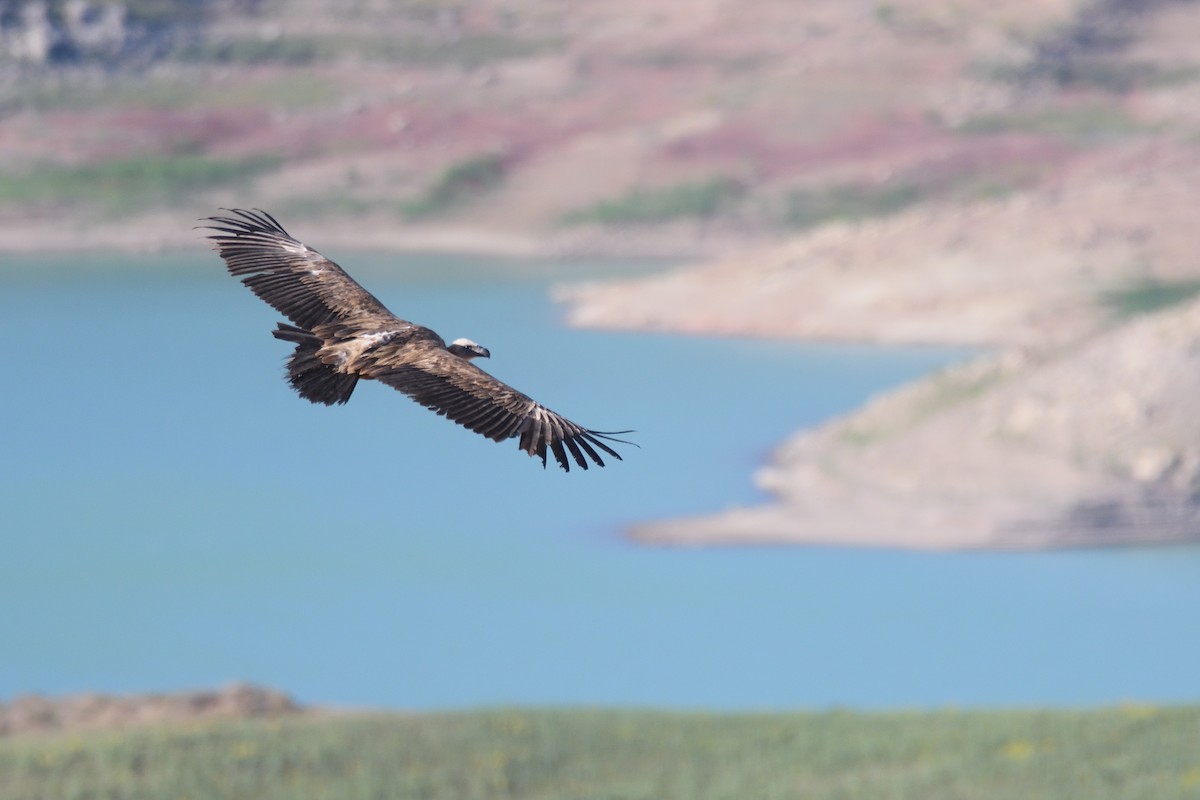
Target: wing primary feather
(583, 442)
(593, 437)
(272, 220)
(574, 448)
(560, 455)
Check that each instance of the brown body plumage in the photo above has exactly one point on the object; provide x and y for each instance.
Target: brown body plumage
(343, 333)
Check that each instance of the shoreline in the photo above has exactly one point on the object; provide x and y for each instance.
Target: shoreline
(1086, 446)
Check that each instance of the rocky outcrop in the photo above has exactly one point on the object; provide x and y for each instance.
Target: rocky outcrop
(43, 32)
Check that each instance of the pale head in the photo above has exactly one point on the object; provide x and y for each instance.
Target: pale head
(466, 349)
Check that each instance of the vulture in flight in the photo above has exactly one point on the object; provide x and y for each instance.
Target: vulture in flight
(343, 333)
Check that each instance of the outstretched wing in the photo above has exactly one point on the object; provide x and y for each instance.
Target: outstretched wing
(460, 391)
(290, 276)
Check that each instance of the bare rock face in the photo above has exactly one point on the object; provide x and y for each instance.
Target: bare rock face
(39, 714)
(34, 32)
(29, 36)
(37, 32)
(95, 28)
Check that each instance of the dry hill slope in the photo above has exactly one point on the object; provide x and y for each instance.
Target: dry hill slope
(530, 125)
(1088, 445)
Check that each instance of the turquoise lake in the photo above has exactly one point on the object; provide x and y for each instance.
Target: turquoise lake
(173, 516)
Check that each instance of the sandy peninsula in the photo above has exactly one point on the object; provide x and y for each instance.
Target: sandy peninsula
(1092, 445)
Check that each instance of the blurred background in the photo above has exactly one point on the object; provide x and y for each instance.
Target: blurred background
(896, 296)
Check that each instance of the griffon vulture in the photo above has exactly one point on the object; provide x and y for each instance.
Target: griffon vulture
(343, 333)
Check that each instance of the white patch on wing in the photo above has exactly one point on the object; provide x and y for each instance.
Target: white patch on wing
(370, 340)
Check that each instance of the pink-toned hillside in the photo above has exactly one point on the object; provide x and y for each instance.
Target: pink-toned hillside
(351, 119)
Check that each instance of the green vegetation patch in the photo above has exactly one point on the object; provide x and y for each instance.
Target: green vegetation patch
(804, 208)
(126, 184)
(464, 51)
(697, 200)
(633, 755)
(1081, 124)
(926, 399)
(1116, 77)
(809, 207)
(292, 91)
(150, 13)
(459, 183)
(67, 90)
(326, 204)
(467, 51)
(1146, 297)
(290, 50)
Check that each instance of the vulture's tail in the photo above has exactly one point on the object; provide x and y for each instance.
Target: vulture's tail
(314, 380)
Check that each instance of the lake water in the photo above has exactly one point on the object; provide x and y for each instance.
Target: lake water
(172, 516)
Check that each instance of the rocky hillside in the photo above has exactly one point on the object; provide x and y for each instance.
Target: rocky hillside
(640, 127)
(1035, 268)
(1035, 188)
(1081, 431)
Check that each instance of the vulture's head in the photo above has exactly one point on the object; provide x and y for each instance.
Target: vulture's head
(466, 349)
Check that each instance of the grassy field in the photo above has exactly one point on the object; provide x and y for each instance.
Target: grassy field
(1113, 753)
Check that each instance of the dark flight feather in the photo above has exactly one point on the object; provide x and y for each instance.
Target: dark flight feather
(343, 333)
